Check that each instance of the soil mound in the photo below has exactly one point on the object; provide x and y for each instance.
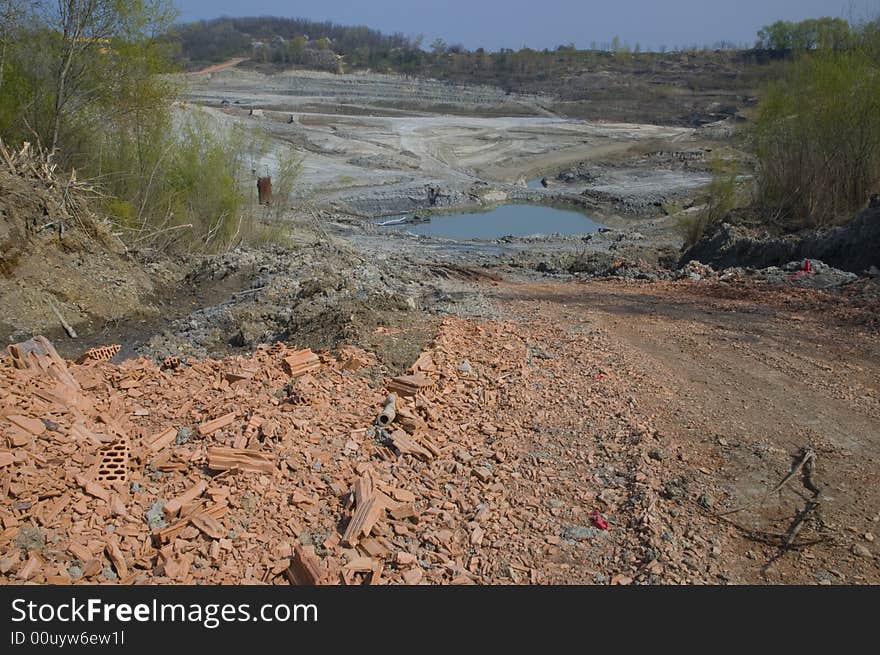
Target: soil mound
(56, 256)
(854, 247)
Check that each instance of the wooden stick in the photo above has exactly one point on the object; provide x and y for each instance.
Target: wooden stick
(67, 326)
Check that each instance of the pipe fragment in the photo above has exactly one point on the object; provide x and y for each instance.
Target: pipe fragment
(390, 412)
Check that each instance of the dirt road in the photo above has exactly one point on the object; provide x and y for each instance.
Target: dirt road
(716, 390)
(216, 68)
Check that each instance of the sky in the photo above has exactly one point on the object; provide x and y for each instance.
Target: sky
(539, 24)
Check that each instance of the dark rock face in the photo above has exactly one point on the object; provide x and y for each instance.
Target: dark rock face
(853, 247)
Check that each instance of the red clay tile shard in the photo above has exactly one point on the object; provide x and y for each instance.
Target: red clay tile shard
(208, 525)
(403, 512)
(32, 425)
(410, 385)
(161, 440)
(238, 375)
(118, 560)
(301, 362)
(79, 551)
(19, 438)
(425, 362)
(354, 359)
(484, 474)
(413, 576)
(408, 446)
(31, 567)
(92, 488)
(362, 564)
(403, 495)
(305, 568)
(173, 531)
(405, 559)
(172, 507)
(373, 548)
(225, 459)
(211, 427)
(365, 517)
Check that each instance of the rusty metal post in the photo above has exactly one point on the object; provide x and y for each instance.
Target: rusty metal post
(264, 190)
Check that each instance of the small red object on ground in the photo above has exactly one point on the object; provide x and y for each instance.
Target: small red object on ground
(598, 521)
(807, 266)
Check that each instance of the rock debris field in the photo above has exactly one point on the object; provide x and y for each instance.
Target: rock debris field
(256, 470)
(553, 445)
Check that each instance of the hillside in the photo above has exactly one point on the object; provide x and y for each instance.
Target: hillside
(680, 88)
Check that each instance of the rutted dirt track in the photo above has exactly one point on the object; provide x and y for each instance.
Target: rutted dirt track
(731, 383)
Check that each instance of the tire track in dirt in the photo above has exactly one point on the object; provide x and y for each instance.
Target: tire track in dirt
(734, 391)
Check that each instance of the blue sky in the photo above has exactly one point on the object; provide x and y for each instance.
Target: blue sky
(541, 24)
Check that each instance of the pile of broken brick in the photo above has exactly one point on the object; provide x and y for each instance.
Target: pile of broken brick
(272, 468)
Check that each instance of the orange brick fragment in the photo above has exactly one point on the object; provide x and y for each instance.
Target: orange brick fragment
(92, 488)
(159, 441)
(224, 459)
(301, 362)
(305, 568)
(211, 427)
(32, 425)
(173, 507)
(102, 354)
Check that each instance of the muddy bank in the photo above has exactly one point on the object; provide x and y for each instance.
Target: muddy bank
(321, 295)
(634, 191)
(854, 247)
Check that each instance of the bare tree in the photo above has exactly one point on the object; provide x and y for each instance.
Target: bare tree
(83, 25)
(11, 14)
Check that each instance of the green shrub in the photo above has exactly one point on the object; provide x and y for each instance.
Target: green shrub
(817, 139)
(719, 198)
(691, 227)
(170, 176)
